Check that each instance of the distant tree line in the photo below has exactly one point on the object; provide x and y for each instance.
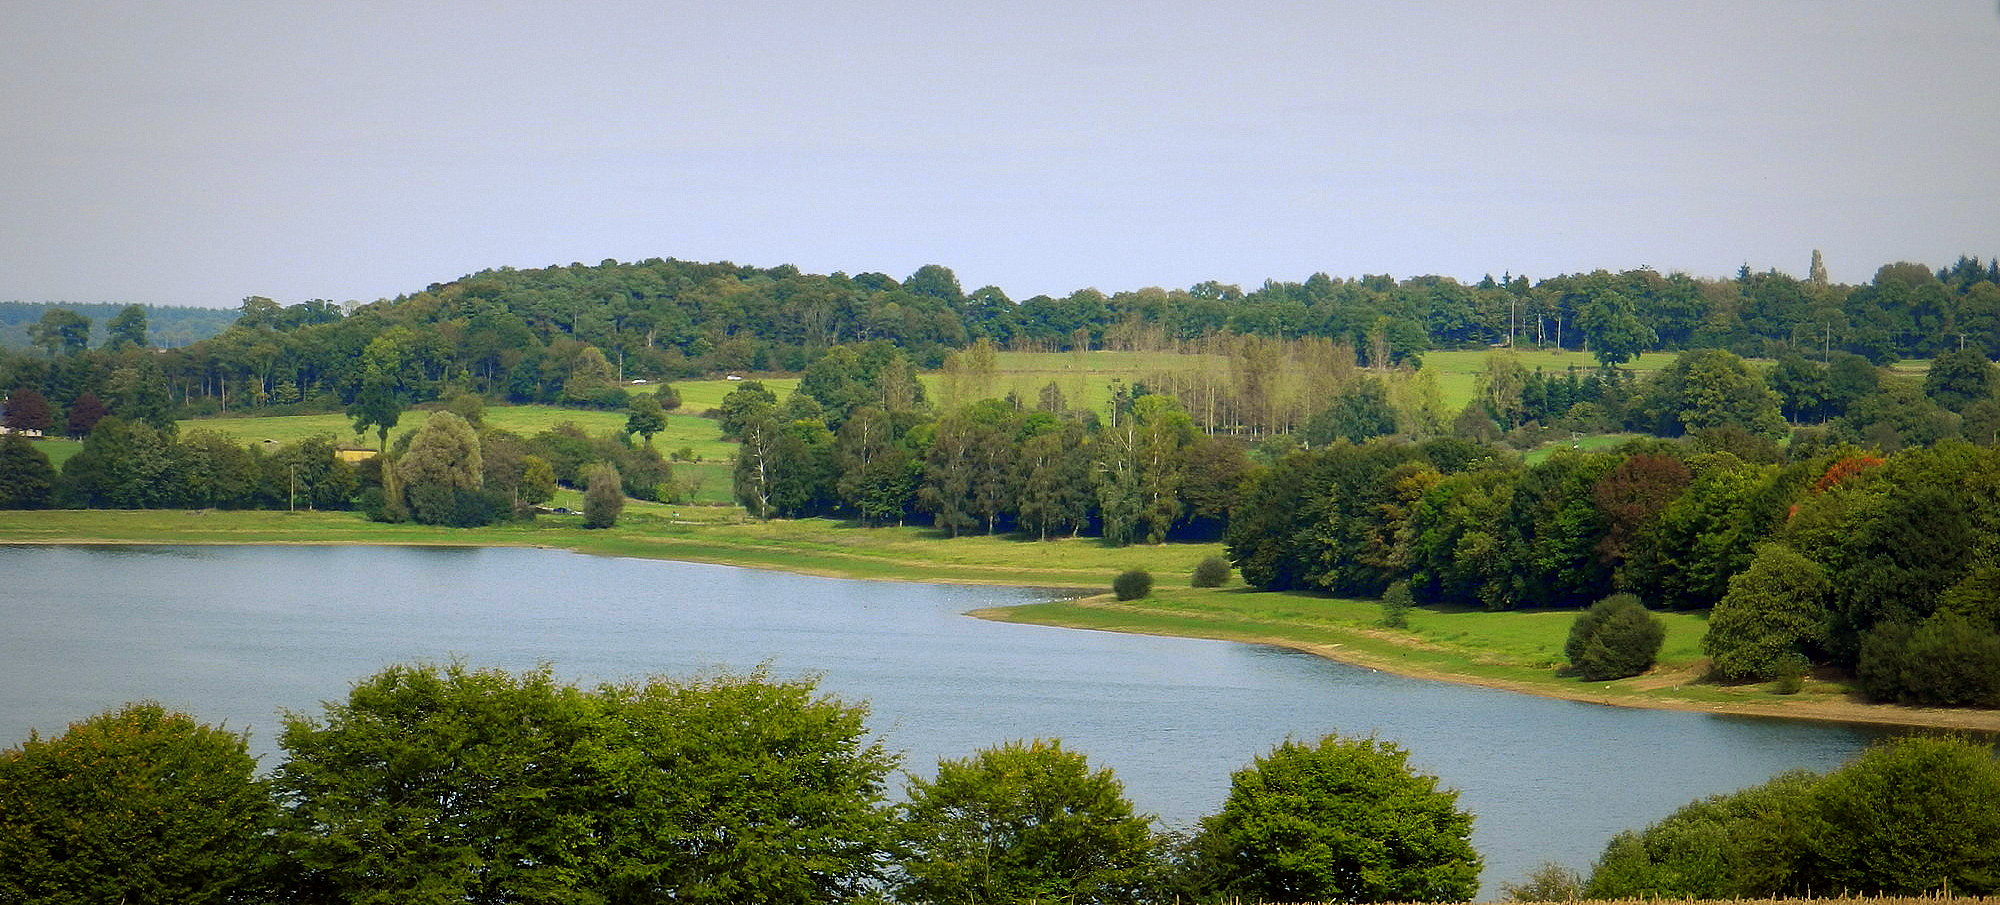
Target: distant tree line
(168, 326)
(451, 471)
(569, 335)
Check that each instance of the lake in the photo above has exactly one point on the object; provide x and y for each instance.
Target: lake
(236, 635)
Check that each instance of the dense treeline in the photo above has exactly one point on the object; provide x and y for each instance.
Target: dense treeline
(450, 784)
(451, 471)
(1881, 566)
(454, 784)
(565, 334)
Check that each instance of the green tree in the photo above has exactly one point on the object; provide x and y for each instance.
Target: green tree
(139, 393)
(1344, 820)
(140, 804)
(1397, 602)
(1959, 378)
(643, 416)
(441, 465)
(61, 332)
(1775, 612)
(122, 466)
(127, 329)
(1025, 822)
(745, 405)
(27, 480)
(376, 406)
(603, 496)
(1617, 637)
(434, 784)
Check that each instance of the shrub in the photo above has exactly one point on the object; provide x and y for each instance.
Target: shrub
(1212, 572)
(1132, 585)
(1546, 882)
(1396, 604)
(1617, 637)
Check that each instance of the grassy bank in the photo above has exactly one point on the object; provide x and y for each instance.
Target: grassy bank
(1516, 651)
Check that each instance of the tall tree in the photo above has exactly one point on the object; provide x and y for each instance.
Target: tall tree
(61, 332)
(27, 480)
(127, 329)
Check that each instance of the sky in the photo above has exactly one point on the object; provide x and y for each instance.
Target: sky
(199, 151)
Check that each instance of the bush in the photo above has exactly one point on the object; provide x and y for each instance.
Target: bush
(1396, 604)
(1212, 572)
(1132, 585)
(1744, 844)
(1546, 882)
(1339, 821)
(1948, 661)
(1617, 637)
(1023, 822)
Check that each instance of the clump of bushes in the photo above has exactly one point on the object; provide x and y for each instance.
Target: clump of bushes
(1212, 572)
(1617, 637)
(1132, 585)
(1947, 660)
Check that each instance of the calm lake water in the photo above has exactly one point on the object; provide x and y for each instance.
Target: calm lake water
(239, 634)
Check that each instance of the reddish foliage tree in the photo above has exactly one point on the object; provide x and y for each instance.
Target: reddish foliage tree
(84, 414)
(28, 410)
(1632, 495)
(1838, 473)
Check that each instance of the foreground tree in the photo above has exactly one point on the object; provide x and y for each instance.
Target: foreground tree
(1022, 822)
(448, 784)
(1344, 820)
(141, 804)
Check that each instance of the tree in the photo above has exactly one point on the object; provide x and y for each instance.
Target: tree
(448, 784)
(84, 413)
(376, 406)
(28, 410)
(1959, 378)
(441, 465)
(122, 466)
(1397, 602)
(27, 480)
(1344, 820)
(127, 329)
(1211, 572)
(1024, 822)
(603, 496)
(1775, 612)
(140, 804)
(1133, 584)
(61, 332)
(746, 404)
(643, 416)
(1617, 637)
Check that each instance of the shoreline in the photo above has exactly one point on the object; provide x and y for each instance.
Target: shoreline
(776, 557)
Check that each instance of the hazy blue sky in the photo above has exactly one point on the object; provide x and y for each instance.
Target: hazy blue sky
(196, 152)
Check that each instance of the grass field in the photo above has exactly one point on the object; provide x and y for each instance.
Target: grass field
(684, 429)
(59, 451)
